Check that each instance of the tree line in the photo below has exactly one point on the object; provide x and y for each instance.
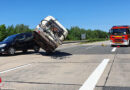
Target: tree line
(11, 30)
(74, 32)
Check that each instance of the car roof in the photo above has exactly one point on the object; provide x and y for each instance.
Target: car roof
(14, 35)
(26, 33)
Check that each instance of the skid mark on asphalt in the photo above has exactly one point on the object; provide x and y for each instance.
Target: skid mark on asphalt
(90, 47)
(91, 82)
(18, 67)
(43, 83)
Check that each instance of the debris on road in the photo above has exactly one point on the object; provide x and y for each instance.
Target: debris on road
(49, 34)
(103, 45)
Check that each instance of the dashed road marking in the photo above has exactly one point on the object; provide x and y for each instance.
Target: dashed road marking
(91, 82)
(113, 50)
(22, 66)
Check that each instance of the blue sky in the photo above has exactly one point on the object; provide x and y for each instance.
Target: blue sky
(88, 14)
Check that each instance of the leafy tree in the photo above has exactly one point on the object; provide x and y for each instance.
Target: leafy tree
(75, 34)
(10, 30)
(3, 32)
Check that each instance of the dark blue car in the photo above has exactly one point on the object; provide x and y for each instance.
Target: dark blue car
(18, 42)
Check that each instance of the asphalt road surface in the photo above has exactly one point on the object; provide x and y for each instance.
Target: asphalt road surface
(95, 66)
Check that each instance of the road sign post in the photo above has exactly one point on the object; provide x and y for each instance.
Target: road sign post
(83, 36)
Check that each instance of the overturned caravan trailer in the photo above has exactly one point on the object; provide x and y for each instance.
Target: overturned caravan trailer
(49, 34)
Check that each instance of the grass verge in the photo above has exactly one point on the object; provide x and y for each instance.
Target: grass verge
(93, 40)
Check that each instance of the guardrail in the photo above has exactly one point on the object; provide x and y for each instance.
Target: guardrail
(79, 41)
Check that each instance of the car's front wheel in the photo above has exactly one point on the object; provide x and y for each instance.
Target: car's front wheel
(11, 51)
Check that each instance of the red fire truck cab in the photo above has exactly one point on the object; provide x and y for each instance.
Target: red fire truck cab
(119, 35)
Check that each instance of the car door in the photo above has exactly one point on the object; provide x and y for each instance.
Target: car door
(20, 42)
(29, 40)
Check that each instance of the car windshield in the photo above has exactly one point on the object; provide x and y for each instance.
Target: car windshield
(10, 38)
(119, 31)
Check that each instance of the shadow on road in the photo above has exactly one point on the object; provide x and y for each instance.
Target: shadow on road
(18, 53)
(56, 54)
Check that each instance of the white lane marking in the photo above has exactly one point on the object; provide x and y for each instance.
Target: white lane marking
(91, 82)
(90, 47)
(14, 68)
(113, 50)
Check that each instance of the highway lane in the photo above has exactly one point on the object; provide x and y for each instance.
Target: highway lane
(118, 75)
(67, 69)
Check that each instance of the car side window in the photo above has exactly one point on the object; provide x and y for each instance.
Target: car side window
(20, 38)
(29, 36)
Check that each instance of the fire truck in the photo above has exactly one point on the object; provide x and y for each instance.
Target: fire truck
(120, 35)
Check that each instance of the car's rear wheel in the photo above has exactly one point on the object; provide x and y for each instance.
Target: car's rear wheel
(11, 51)
(36, 49)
